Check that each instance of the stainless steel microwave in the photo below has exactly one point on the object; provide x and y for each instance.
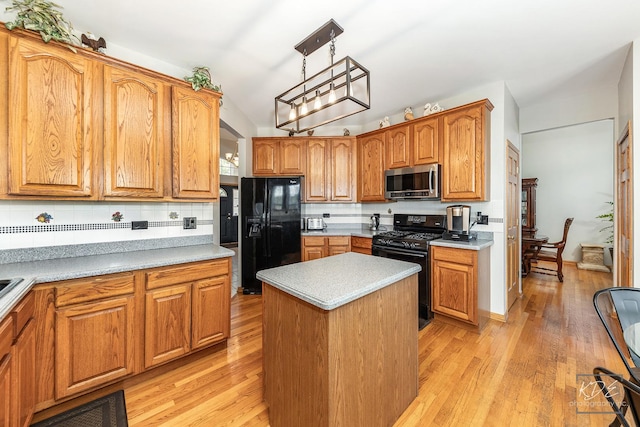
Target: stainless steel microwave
(416, 183)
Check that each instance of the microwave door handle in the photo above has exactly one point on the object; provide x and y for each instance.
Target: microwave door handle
(431, 181)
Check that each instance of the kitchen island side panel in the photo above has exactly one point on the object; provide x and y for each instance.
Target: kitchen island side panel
(355, 365)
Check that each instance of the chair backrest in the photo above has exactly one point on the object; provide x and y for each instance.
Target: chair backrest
(565, 233)
(618, 309)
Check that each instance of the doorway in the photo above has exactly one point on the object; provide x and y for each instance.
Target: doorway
(229, 209)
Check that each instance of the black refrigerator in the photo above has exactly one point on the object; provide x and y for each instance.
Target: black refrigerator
(270, 210)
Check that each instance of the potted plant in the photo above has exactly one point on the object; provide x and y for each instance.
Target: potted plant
(608, 217)
(42, 16)
(201, 79)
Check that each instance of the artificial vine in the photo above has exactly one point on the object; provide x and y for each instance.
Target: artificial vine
(201, 79)
(42, 16)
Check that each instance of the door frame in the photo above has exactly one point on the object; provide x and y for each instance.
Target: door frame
(623, 211)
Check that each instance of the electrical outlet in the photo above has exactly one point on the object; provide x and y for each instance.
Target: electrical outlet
(189, 222)
(139, 225)
(483, 220)
(326, 215)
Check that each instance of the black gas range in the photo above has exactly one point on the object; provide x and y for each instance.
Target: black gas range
(409, 241)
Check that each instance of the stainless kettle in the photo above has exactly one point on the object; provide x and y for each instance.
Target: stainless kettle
(374, 222)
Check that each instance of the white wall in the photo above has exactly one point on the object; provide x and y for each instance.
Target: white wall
(91, 222)
(574, 167)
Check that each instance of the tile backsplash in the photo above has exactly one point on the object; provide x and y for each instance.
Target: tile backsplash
(25, 224)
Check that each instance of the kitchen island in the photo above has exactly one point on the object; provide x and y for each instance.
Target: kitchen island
(340, 341)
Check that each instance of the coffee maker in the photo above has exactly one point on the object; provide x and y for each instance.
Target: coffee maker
(459, 223)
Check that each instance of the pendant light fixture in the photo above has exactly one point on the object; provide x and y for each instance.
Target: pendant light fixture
(233, 157)
(338, 91)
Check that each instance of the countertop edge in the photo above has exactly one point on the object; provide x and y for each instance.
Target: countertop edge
(474, 245)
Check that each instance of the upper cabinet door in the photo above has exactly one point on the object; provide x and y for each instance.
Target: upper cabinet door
(134, 136)
(266, 156)
(315, 183)
(426, 140)
(196, 142)
(343, 167)
(371, 168)
(466, 137)
(293, 156)
(51, 121)
(398, 147)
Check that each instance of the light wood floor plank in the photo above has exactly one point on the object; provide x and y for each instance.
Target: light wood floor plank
(520, 373)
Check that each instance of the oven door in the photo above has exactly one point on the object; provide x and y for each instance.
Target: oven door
(424, 282)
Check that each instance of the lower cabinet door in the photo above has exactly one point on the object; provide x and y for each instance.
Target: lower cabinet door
(167, 324)
(23, 391)
(94, 344)
(210, 311)
(5, 390)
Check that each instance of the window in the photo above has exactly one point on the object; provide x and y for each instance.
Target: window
(228, 168)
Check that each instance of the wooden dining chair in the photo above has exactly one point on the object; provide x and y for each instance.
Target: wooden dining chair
(551, 252)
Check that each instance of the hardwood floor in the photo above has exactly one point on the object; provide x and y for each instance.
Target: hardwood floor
(522, 372)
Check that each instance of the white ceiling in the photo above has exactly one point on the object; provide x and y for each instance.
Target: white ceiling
(416, 50)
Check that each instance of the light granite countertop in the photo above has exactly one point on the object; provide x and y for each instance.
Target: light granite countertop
(333, 281)
(474, 245)
(346, 231)
(52, 270)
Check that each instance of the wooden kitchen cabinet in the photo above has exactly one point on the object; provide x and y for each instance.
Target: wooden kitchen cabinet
(187, 307)
(398, 147)
(466, 142)
(95, 331)
(331, 176)
(6, 339)
(361, 245)
(338, 245)
(371, 166)
(52, 121)
(210, 304)
(314, 247)
(316, 180)
(276, 156)
(417, 143)
(134, 134)
(196, 143)
(460, 284)
(98, 330)
(83, 126)
(426, 140)
(167, 324)
(23, 359)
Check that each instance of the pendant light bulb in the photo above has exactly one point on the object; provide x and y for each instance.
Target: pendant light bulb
(318, 102)
(292, 112)
(349, 88)
(303, 107)
(332, 94)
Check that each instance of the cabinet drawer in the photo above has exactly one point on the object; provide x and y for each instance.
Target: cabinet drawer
(173, 275)
(460, 256)
(361, 242)
(6, 336)
(339, 240)
(95, 288)
(313, 241)
(22, 313)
